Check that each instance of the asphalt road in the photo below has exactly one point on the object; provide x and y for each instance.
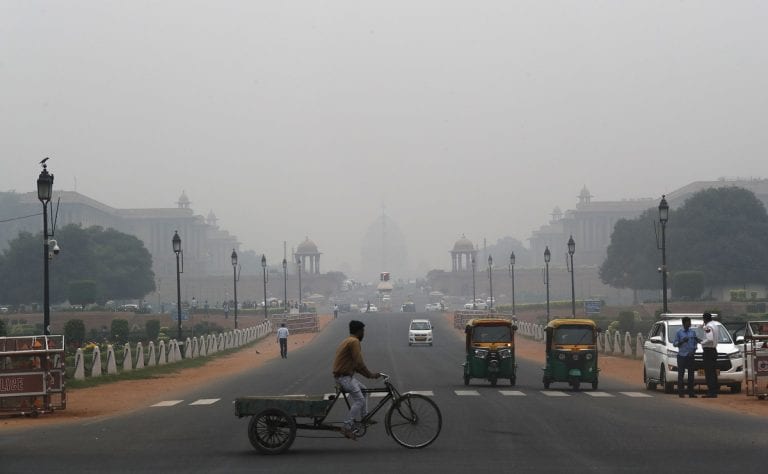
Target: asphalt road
(503, 429)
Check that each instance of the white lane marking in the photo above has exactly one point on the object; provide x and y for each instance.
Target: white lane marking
(636, 394)
(555, 394)
(600, 394)
(512, 393)
(296, 395)
(205, 401)
(467, 393)
(167, 403)
(426, 393)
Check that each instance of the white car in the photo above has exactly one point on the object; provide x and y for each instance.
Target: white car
(478, 304)
(432, 307)
(420, 332)
(369, 309)
(660, 356)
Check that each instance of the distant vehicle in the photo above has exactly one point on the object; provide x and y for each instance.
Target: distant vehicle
(129, 307)
(3, 309)
(370, 309)
(420, 332)
(478, 304)
(432, 307)
(408, 308)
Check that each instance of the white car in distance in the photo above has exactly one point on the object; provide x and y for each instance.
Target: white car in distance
(420, 332)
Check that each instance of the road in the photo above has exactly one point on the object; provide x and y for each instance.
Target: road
(503, 429)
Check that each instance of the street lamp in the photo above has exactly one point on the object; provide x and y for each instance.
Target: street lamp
(512, 275)
(571, 251)
(235, 278)
(490, 280)
(44, 191)
(264, 269)
(474, 295)
(547, 257)
(179, 270)
(298, 266)
(663, 217)
(285, 284)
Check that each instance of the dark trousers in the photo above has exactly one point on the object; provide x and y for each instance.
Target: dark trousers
(683, 364)
(710, 370)
(283, 347)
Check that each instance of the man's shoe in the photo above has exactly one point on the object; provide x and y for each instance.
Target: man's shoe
(349, 433)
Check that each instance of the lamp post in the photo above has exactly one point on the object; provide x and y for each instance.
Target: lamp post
(179, 270)
(235, 277)
(264, 269)
(547, 257)
(663, 217)
(512, 275)
(474, 295)
(571, 251)
(298, 266)
(44, 191)
(490, 280)
(285, 284)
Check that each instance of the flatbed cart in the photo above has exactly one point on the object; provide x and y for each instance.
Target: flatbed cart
(32, 375)
(756, 359)
(412, 420)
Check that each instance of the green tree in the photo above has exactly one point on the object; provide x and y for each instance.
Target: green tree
(629, 262)
(119, 330)
(688, 284)
(74, 332)
(82, 292)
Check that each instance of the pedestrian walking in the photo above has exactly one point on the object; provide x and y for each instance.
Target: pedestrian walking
(335, 311)
(282, 339)
(685, 341)
(709, 346)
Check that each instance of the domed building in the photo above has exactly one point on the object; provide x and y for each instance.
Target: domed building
(462, 255)
(309, 255)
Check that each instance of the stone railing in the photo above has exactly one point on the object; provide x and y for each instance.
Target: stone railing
(608, 342)
(162, 353)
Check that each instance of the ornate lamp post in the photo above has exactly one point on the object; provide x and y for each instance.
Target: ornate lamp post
(179, 270)
(285, 285)
(571, 251)
(235, 278)
(547, 257)
(44, 192)
(298, 266)
(474, 295)
(264, 269)
(663, 217)
(490, 280)
(512, 275)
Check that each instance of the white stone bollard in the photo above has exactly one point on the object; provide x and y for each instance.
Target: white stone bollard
(640, 345)
(152, 355)
(79, 365)
(188, 349)
(139, 355)
(111, 363)
(616, 343)
(161, 360)
(127, 358)
(96, 362)
(627, 345)
(177, 352)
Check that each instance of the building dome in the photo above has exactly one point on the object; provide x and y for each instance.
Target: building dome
(463, 245)
(183, 201)
(307, 247)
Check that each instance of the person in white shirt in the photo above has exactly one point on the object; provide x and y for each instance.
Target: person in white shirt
(709, 346)
(282, 339)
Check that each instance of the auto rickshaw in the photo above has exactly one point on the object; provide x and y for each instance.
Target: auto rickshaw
(490, 350)
(571, 350)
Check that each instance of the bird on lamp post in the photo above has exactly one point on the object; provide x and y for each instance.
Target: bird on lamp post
(44, 192)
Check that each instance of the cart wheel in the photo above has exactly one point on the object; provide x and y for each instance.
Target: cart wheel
(414, 421)
(272, 431)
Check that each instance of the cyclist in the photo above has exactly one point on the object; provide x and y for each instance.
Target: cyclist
(348, 361)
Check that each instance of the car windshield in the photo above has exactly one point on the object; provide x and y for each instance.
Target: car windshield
(574, 335)
(723, 336)
(420, 326)
(492, 334)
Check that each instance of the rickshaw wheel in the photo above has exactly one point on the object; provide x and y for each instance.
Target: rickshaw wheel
(272, 431)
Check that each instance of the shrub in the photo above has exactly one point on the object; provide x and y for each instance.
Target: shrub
(119, 331)
(152, 327)
(74, 332)
(626, 321)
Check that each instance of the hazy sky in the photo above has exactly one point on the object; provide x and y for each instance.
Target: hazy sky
(291, 118)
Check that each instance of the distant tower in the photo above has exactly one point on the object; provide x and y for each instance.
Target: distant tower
(183, 201)
(310, 257)
(584, 196)
(462, 254)
(211, 219)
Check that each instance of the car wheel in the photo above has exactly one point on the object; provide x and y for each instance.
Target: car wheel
(649, 385)
(669, 387)
(736, 388)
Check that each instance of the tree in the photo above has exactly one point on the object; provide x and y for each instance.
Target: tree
(119, 330)
(82, 292)
(74, 332)
(629, 262)
(688, 284)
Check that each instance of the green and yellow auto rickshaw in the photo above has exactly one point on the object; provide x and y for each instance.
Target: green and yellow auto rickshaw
(490, 350)
(571, 351)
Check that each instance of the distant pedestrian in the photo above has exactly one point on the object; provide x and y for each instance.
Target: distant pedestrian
(685, 341)
(335, 311)
(709, 346)
(282, 339)
(226, 310)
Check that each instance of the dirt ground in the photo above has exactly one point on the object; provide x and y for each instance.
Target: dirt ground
(126, 396)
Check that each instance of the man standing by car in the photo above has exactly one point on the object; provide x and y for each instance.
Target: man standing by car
(348, 360)
(685, 341)
(709, 345)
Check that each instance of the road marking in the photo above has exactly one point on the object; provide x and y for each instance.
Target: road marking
(600, 394)
(467, 393)
(426, 393)
(205, 401)
(555, 393)
(297, 395)
(512, 393)
(636, 394)
(167, 403)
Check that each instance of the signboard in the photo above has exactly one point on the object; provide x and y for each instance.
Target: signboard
(592, 306)
(22, 383)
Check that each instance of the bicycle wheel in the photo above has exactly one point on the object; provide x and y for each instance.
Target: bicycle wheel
(414, 421)
(272, 431)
